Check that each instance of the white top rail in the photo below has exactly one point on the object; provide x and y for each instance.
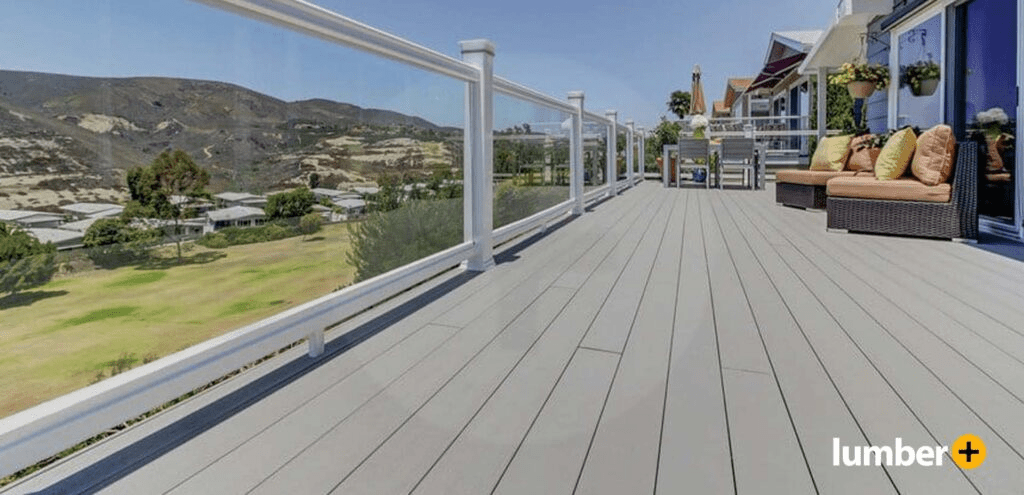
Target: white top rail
(307, 18)
(506, 87)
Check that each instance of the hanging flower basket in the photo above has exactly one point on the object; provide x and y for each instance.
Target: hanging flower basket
(861, 79)
(922, 77)
(928, 87)
(861, 89)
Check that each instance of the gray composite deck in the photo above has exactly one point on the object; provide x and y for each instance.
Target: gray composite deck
(670, 341)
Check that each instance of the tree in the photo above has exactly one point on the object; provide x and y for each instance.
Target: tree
(314, 180)
(152, 188)
(665, 133)
(24, 261)
(113, 242)
(310, 224)
(290, 204)
(679, 103)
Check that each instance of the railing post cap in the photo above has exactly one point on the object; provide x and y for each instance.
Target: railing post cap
(629, 121)
(575, 95)
(480, 45)
(611, 113)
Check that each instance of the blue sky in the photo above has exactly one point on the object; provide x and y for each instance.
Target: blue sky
(624, 56)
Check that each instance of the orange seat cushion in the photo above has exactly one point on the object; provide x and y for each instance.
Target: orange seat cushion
(809, 177)
(902, 189)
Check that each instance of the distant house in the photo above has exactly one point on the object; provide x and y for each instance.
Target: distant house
(199, 205)
(351, 207)
(82, 211)
(235, 216)
(30, 219)
(365, 191)
(63, 239)
(78, 226)
(231, 199)
(322, 193)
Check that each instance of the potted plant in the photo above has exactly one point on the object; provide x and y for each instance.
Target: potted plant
(922, 77)
(991, 122)
(699, 124)
(861, 79)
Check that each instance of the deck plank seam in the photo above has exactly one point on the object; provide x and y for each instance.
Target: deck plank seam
(588, 348)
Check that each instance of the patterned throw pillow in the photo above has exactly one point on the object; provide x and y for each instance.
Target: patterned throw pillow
(862, 156)
(933, 160)
(895, 156)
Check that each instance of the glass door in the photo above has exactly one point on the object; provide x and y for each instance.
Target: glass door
(989, 105)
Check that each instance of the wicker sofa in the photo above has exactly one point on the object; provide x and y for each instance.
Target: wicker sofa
(864, 208)
(806, 188)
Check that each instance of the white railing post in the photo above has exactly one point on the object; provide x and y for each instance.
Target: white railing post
(641, 147)
(612, 151)
(576, 153)
(630, 143)
(664, 165)
(478, 139)
(316, 343)
(822, 102)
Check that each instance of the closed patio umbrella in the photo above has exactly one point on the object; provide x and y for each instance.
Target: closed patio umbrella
(697, 106)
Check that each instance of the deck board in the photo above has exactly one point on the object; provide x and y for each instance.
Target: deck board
(815, 405)
(594, 359)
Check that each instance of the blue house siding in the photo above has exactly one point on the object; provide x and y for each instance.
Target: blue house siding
(877, 108)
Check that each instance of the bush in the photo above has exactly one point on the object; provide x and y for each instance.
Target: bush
(236, 236)
(310, 223)
(24, 261)
(512, 203)
(111, 242)
(387, 240)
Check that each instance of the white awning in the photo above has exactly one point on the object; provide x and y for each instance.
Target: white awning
(841, 43)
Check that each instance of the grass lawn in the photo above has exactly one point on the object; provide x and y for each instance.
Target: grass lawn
(56, 338)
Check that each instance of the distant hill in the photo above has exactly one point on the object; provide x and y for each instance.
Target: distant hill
(95, 128)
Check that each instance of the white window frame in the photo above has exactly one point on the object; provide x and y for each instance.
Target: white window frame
(938, 8)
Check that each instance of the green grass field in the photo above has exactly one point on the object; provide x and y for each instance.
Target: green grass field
(56, 338)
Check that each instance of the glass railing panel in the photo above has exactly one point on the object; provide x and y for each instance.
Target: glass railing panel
(309, 167)
(531, 159)
(595, 153)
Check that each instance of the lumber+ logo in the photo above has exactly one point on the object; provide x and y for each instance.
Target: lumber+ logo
(968, 452)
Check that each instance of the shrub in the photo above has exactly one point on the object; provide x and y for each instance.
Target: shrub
(24, 261)
(386, 240)
(294, 203)
(112, 242)
(235, 236)
(310, 223)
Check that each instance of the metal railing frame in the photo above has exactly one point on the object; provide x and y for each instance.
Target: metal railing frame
(41, 431)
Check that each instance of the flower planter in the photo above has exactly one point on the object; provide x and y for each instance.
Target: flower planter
(928, 87)
(861, 89)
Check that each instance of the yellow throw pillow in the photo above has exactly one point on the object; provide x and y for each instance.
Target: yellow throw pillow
(831, 153)
(933, 160)
(895, 156)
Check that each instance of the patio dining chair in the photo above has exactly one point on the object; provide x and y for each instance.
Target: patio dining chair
(694, 149)
(737, 153)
